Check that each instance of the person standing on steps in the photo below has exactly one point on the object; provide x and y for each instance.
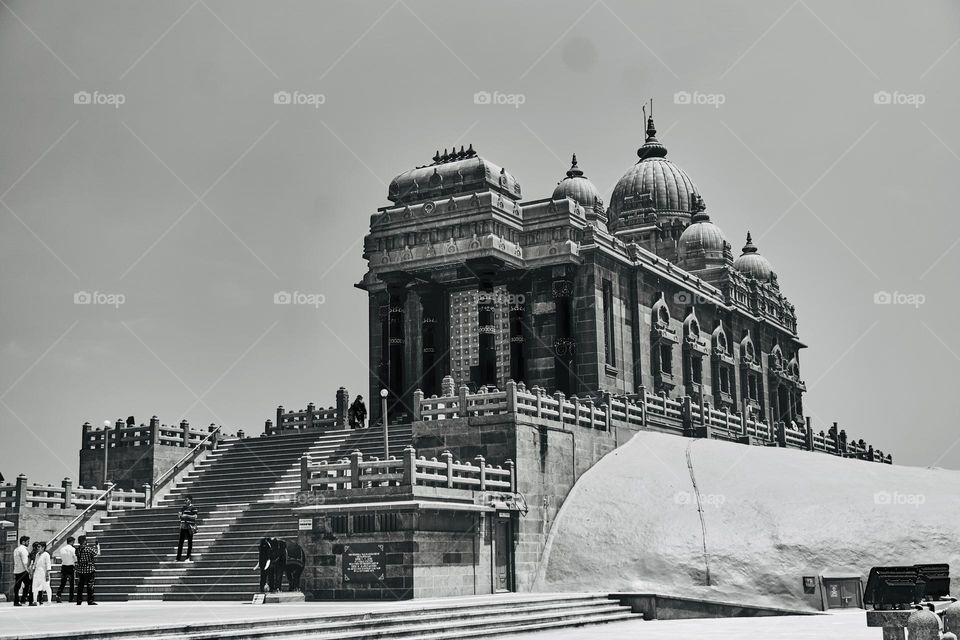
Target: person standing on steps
(86, 568)
(357, 413)
(22, 591)
(68, 559)
(41, 573)
(188, 526)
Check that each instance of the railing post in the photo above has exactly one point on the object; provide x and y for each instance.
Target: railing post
(462, 410)
(539, 394)
(343, 408)
(686, 415)
(240, 434)
(108, 500)
(703, 410)
(417, 404)
(513, 476)
(643, 407)
(447, 459)
(355, 459)
(21, 490)
(808, 434)
(185, 431)
(781, 434)
(744, 416)
(409, 457)
(608, 405)
(482, 464)
(560, 398)
(511, 396)
(118, 433)
(147, 495)
(67, 485)
(311, 410)
(305, 472)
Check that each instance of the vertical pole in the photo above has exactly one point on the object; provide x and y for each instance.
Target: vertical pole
(67, 485)
(386, 424)
(106, 452)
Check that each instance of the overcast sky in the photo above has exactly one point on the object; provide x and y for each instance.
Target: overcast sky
(184, 188)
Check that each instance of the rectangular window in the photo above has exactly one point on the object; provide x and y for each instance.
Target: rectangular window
(666, 358)
(609, 341)
(753, 387)
(338, 524)
(364, 523)
(724, 380)
(696, 370)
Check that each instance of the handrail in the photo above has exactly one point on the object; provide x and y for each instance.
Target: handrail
(103, 495)
(156, 483)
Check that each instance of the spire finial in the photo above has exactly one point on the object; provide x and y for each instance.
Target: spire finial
(574, 171)
(651, 147)
(749, 247)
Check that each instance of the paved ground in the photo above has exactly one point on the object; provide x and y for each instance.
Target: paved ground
(62, 619)
(848, 625)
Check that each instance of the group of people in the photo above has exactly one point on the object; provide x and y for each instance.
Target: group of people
(32, 569)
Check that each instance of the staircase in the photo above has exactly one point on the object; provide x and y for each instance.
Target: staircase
(243, 491)
(456, 618)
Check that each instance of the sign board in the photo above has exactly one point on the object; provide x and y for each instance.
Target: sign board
(809, 584)
(306, 524)
(258, 598)
(11, 536)
(364, 562)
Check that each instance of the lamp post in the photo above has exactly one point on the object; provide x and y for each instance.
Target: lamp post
(383, 412)
(106, 449)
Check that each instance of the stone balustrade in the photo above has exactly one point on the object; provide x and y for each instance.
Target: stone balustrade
(125, 434)
(24, 494)
(408, 470)
(638, 412)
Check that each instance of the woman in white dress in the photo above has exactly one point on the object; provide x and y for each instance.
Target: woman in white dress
(41, 574)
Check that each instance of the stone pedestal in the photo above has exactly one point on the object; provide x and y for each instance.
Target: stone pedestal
(284, 596)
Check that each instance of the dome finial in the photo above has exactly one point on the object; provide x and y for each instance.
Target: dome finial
(749, 247)
(699, 209)
(574, 171)
(651, 147)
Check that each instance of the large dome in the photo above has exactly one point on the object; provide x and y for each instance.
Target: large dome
(654, 182)
(752, 264)
(578, 188)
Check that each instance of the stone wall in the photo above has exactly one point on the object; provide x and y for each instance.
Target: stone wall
(129, 467)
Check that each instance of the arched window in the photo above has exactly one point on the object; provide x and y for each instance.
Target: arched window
(776, 358)
(660, 313)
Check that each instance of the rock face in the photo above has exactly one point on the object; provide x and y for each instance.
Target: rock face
(717, 519)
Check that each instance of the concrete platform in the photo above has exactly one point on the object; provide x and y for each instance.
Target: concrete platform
(63, 620)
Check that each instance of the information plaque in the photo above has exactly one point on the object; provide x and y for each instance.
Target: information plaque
(364, 562)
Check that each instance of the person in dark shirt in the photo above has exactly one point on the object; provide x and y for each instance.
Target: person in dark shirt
(86, 568)
(188, 526)
(357, 413)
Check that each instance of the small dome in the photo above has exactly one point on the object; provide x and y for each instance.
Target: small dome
(578, 188)
(654, 182)
(702, 239)
(752, 264)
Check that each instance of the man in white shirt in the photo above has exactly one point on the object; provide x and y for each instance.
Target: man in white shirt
(68, 560)
(21, 574)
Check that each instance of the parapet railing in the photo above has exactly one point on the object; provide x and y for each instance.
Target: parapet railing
(145, 435)
(66, 496)
(408, 470)
(311, 417)
(639, 411)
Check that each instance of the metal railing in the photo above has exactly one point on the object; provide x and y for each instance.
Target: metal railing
(168, 474)
(90, 507)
